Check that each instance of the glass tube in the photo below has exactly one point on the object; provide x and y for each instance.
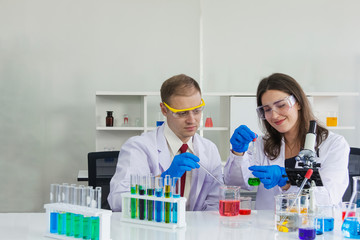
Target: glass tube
(159, 192)
(142, 203)
(78, 218)
(176, 194)
(167, 190)
(62, 215)
(95, 220)
(86, 201)
(54, 189)
(70, 216)
(133, 190)
(150, 185)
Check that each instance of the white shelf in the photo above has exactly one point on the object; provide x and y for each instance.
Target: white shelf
(341, 128)
(120, 128)
(214, 128)
(116, 93)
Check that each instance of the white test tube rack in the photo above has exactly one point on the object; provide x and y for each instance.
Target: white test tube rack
(126, 210)
(104, 221)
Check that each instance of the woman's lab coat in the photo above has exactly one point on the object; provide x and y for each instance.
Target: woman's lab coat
(149, 153)
(333, 157)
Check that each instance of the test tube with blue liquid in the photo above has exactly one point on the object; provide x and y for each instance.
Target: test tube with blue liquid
(159, 192)
(133, 191)
(176, 194)
(54, 192)
(95, 220)
(150, 192)
(142, 203)
(167, 193)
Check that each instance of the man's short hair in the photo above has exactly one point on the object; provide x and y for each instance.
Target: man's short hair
(178, 85)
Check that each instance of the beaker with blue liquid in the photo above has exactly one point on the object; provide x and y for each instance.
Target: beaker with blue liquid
(351, 225)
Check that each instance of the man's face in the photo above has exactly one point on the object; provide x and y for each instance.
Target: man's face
(183, 125)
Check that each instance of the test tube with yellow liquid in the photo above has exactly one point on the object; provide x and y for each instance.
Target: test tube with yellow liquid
(167, 194)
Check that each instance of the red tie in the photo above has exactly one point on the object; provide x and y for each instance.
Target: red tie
(183, 149)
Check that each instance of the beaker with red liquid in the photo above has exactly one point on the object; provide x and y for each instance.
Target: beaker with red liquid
(208, 122)
(229, 202)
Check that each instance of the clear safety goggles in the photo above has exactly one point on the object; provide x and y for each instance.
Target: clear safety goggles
(281, 107)
(183, 113)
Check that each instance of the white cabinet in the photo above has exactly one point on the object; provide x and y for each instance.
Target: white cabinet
(227, 110)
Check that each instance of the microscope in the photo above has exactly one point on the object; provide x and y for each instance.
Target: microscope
(307, 160)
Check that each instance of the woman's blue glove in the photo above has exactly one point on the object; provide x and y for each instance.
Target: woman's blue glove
(181, 163)
(270, 176)
(241, 138)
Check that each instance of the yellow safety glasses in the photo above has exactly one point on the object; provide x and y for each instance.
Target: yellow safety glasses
(183, 113)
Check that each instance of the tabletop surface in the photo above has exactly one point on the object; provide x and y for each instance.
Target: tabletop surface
(200, 225)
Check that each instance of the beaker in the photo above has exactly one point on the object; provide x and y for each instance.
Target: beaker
(229, 200)
(208, 121)
(325, 218)
(307, 227)
(287, 210)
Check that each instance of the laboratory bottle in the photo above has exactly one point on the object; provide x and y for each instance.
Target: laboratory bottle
(109, 119)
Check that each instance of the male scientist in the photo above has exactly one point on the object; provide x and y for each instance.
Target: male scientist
(173, 149)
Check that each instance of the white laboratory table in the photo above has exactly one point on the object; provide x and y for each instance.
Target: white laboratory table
(200, 225)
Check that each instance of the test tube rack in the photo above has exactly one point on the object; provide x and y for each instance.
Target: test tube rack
(126, 211)
(104, 215)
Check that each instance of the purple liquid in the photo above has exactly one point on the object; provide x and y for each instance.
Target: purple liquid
(307, 233)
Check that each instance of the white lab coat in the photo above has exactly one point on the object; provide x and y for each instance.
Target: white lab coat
(149, 153)
(333, 156)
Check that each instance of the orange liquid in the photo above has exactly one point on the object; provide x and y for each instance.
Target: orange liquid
(208, 122)
(331, 121)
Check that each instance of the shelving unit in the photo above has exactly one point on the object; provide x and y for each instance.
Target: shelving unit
(227, 110)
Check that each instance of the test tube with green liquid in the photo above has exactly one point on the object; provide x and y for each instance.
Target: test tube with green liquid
(69, 215)
(54, 189)
(95, 220)
(142, 202)
(253, 181)
(78, 218)
(133, 190)
(176, 194)
(167, 193)
(86, 201)
(150, 192)
(63, 191)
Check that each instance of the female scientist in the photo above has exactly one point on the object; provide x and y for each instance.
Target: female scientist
(285, 115)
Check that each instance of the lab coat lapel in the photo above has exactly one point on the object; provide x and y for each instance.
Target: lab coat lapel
(198, 175)
(163, 150)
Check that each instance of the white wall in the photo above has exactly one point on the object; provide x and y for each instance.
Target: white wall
(55, 54)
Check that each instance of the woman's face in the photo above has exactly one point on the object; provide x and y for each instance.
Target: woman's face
(283, 121)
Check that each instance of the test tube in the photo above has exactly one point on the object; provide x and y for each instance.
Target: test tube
(54, 189)
(61, 215)
(159, 192)
(150, 192)
(142, 203)
(95, 220)
(176, 194)
(86, 201)
(69, 198)
(78, 218)
(167, 187)
(133, 190)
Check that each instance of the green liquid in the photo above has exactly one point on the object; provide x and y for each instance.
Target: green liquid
(254, 181)
(86, 228)
(78, 225)
(133, 203)
(69, 230)
(150, 205)
(95, 227)
(167, 207)
(61, 223)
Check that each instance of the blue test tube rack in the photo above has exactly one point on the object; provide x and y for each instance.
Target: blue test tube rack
(104, 215)
(126, 210)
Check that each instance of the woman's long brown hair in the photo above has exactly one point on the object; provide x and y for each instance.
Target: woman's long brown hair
(272, 138)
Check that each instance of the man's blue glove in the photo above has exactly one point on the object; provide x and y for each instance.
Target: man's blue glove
(181, 163)
(270, 176)
(241, 138)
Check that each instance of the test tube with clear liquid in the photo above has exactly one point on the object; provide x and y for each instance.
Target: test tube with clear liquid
(54, 192)
(167, 190)
(150, 185)
(253, 181)
(87, 196)
(159, 205)
(95, 220)
(176, 189)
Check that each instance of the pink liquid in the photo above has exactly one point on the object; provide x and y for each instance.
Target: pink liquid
(208, 122)
(229, 207)
(350, 214)
(245, 211)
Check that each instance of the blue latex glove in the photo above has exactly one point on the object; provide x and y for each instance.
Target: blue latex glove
(270, 176)
(241, 138)
(181, 163)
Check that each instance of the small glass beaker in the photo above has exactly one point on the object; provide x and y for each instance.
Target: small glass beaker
(307, 226)
(287, 210)
(350, 207)
(325, 218)
(229, 200)
(245, 206)
(331, 119)
(208, 121)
